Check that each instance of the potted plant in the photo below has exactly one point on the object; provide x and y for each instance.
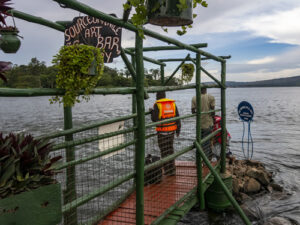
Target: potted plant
(163, 12)
(79, 69)
(187, 72)
(29, 194)
(9, 41)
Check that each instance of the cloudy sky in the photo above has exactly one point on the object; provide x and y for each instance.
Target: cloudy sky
(262, 36)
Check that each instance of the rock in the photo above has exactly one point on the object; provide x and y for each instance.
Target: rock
(235, 186)
(254, 163)
(278, 221)
(252, 215)
(251, 186)
(270, 189)
(245, 197)
(239, 171)
(259, 175)
(276, 187)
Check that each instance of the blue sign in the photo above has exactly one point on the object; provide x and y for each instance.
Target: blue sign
(245, 111)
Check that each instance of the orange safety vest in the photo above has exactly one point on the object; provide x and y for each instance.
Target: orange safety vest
(167, 109)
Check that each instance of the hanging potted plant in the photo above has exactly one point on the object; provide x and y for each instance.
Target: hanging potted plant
(9, 41)
(80, 67)
(28, 192)
(187, 72)
(164, 12)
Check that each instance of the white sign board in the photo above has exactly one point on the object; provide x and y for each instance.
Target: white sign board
(111, 142)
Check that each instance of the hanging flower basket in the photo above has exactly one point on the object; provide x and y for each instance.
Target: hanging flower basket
(169, 13)
(9, 41)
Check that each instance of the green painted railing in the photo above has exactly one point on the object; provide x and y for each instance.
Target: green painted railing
(138, 92)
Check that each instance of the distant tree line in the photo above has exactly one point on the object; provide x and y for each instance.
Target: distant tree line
(37, 75)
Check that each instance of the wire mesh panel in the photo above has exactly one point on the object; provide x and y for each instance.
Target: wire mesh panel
(168, 183)
(87, 183)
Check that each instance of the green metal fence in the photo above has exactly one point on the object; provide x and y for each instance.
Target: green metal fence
(102, 169)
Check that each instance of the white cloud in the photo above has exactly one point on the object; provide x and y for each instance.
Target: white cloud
(283, 27)
(262, 75)
(261, 61)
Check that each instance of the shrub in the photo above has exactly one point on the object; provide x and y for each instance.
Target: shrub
(24, 164)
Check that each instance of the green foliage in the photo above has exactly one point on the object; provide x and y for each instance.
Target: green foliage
(27, 76)
(195, 4)
(73, 63)
(139, 17)
(187, 72)
(24, 164)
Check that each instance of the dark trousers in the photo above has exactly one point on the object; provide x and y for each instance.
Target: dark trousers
(165, 143)
(206, 146)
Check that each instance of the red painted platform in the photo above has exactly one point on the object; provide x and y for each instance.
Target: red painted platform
(157, 197)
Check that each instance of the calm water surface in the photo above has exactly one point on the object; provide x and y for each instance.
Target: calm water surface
(275, 131)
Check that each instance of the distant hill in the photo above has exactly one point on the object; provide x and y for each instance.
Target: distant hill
(280, 82)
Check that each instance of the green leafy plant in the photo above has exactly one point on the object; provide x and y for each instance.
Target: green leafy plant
(74, 63)
(4, 66)
(24, 164)
(139, 17)
(187, 72)
(4, 8)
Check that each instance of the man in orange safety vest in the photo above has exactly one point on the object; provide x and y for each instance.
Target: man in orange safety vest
(166, 109)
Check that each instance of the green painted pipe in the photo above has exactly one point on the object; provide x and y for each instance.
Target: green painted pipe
(190, 59)
(81, 7)
(95, 124)
(175, 71)
(169, 120)
(140, 150)
(168, 48)
(212, 77)
(111, 208)
(162, 75)
(223, 116)
(102, 190)
(179, 153)
(208, 74)
(73, 143)
(31, 92)
(146, 58)
(221, 183)
(70, 192)
(128, 64)
(35, 19)
(200, 191)
(97, 155)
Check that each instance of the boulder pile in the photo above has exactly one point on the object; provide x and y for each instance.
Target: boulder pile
(250, 179)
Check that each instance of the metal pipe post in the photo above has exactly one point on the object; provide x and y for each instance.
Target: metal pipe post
(140, 151)
(221, 183)
(200, 191)
(162, 75)
(223, 116)
(70, 218)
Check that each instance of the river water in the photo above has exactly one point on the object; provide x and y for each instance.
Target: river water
(275, 131)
